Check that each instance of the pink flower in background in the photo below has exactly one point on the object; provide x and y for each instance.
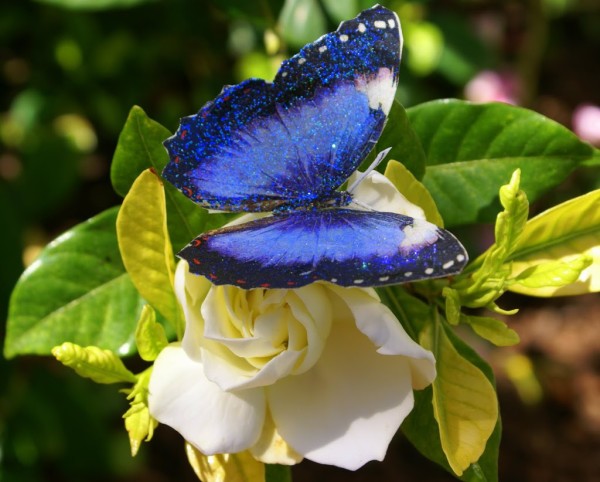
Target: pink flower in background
(586, 123)
(491, 86)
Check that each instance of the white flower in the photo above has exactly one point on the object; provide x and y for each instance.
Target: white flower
(321, 372)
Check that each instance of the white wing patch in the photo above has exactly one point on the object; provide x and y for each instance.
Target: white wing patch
(380, 89)
(421, 233)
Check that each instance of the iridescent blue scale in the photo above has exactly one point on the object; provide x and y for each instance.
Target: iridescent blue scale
(287, 147)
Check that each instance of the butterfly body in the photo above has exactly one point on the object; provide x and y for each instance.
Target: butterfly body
(288, 147)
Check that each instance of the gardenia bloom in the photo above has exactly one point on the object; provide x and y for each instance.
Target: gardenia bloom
(322, 372)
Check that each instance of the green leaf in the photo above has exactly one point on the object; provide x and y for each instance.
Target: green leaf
(452, 305)
(485, 279)
(139, 423)
(78, 291)
(560, 236)
(139, 148)
(101, 366)
(420, 427)
(493, 330)
(413, 190)
(472, 149)
(464, 401)
(554, 273)
(146, 248)
(278, 473)
(150, 337)
(401, 137)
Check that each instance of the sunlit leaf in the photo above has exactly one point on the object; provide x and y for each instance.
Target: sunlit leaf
(473, 148)
(101, 366)
(77, 291)
(146, 248)
(240, 467)
(150, 337)
(464, 401)
(562, 233)
(139, 423)
(493, 330)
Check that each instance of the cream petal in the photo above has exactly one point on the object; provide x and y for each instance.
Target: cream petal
(212, 420)
(377, 192)
(346, 409)
(375, 320)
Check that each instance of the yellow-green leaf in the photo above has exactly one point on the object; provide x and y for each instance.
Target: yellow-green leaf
(240, 467)
(464, 401)
(493, 330)
(560, 234)
(146, 248)
(139, 423)
(101, 366)
(150, 336)
(452, 305)
(554, 273)
(413, 190)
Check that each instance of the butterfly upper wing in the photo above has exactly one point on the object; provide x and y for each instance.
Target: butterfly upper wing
(259, 145)
(342, 246)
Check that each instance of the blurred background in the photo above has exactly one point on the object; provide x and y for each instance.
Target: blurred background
(70, 70)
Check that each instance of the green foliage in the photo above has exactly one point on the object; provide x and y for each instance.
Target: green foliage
(77, 290)
(150, 337)
(472, 148)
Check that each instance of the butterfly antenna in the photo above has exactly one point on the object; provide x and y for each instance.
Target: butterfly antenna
(373, 165)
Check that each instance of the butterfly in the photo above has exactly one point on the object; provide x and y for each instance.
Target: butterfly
(288, 147)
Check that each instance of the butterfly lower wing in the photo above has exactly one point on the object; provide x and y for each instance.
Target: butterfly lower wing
(342, 246)
(259, 145)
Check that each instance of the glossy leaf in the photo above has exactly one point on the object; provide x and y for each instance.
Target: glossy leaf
(472, 149)
(405, 144)
(101, 366)
(146, 248)
(139, 148)
(464, 401)
(413, 190)
(150, 337)
(420, 427)
(77, 291)
(561, 234)
(240, 467)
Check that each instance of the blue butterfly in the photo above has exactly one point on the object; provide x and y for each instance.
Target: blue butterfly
(287, 147)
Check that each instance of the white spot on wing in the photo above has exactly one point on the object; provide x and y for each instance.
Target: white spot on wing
(301, 60)
(460, 258)
(358, 281)
(322, 48)
(408, 274)
(380, 89)
(343, 38)
(449, 264)
(284, 74)
(379, 24)
(429, 271)
(361, 27)
(334, 280)
(384, 278)
(391, 23)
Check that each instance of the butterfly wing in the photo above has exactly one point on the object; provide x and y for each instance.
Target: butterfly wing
(342, 246)
(260, 145)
